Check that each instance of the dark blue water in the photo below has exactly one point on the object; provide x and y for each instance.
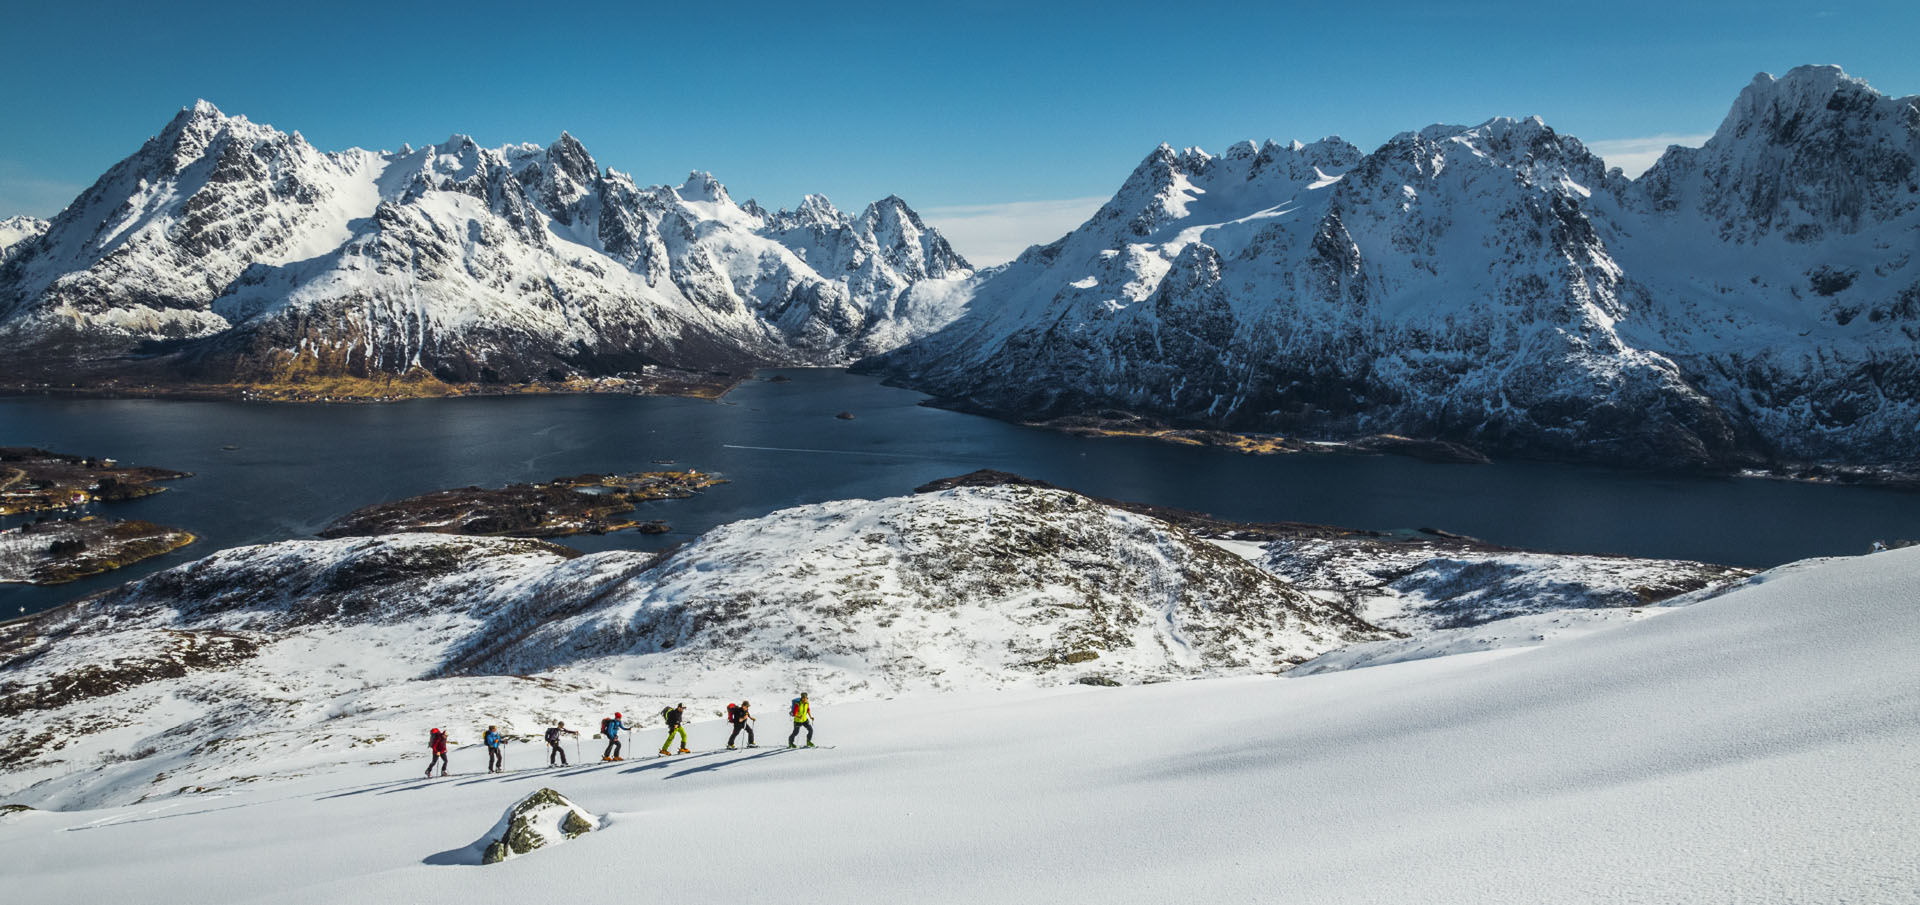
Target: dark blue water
(297, 467)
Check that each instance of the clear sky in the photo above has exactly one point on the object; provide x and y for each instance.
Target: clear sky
(1004, 122)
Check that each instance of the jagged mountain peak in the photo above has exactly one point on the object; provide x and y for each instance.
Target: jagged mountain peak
(701, 186)
(1800, 157)
(200, 111)
(568, 153)
(818, 208)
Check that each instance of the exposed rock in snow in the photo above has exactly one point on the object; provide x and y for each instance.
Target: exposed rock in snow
(246, 255)
(541, 819)
(1756, 300)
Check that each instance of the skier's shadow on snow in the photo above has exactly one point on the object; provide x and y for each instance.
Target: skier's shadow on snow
(538, 773)
(662, 763)
(715, 765)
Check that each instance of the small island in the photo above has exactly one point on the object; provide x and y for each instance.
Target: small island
(1127, 424)
(35, 480)
(56, 552)
(583, 504)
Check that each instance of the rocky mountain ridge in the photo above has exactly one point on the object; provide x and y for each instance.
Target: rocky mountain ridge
(226, 251)
(1750, 302)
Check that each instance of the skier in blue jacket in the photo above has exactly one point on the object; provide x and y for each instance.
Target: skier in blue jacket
(612, 729)
(493, 740)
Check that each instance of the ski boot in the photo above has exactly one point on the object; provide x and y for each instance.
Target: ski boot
(731, 748)
(809, 744)
(683, 751)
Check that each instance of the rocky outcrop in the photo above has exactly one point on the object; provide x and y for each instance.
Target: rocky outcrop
(541, 819)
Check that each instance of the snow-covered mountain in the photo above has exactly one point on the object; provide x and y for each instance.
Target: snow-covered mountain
(243, 253)
(15, 232)
(1753, 300)
(301, 654)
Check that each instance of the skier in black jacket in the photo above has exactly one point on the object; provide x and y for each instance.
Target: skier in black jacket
(742, 719)
(553, 743)
(673, 716)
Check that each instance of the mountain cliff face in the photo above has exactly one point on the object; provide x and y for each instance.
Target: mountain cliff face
(228, 250)
(1750, 301)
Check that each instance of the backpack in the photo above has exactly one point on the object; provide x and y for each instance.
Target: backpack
(553, 735)
(733, 713)
(436, 738)
(795, 709)
(605, 724)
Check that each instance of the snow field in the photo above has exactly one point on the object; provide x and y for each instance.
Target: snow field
(1755, 746)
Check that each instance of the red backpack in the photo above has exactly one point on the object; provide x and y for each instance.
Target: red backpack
(733, 713)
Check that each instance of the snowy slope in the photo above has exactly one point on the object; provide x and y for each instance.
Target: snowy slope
(1749, 747)
(1751, 301)
(1419, 586)
(271, 660)
(269, 258)
(303, 654)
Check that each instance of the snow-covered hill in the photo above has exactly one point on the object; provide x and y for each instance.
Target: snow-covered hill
(1756, 300)
(1755, 746)
(245, 254)
(303, 655)
(204, 670)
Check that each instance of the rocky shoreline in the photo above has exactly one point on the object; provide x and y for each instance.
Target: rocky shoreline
(1118, 423)
(384, 389)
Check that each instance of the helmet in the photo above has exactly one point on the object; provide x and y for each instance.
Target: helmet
(616, 716)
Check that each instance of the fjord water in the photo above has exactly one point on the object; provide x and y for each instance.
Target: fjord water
(294, 468)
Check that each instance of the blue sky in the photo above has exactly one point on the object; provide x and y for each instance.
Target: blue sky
(1007, 121)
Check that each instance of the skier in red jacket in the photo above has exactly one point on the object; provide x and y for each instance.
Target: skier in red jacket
(437, 743)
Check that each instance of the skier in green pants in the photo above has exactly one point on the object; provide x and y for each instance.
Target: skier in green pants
(673, 716)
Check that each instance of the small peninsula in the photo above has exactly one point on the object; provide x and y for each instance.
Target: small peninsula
(582, 504)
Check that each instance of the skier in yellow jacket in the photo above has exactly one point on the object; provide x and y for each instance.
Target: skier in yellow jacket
(802, 711)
